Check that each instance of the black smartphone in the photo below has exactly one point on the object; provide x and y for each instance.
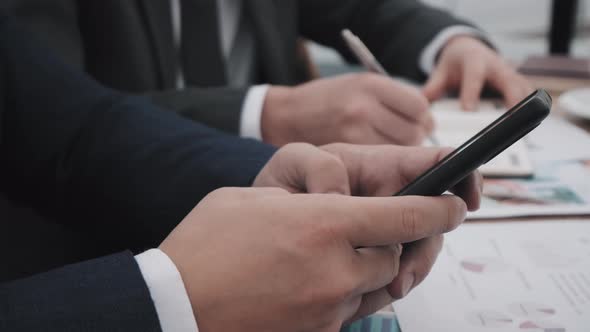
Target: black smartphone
(483, 147)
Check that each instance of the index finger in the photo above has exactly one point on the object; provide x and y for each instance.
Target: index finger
(472, 82)
(384, 221)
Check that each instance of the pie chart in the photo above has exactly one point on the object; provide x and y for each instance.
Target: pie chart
(529, 309)
(484, 265)
(489, 318)
(541, 326)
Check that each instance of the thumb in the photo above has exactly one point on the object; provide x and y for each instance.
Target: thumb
(436, 85)
(324, 172)
(304, 168)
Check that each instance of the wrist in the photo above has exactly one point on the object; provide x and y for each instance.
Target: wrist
(274, 122)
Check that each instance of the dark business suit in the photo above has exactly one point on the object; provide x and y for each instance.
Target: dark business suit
(128, 44)
(104, 164)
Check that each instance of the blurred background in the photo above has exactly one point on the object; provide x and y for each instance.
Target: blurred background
(517, 28)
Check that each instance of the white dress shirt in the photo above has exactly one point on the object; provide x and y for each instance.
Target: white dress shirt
(167, 290)
(164, 282)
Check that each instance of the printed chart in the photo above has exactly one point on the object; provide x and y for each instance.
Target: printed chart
(541, 326)
(534, 310)
(484, 265)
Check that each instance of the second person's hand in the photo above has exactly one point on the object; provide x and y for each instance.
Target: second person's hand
(467, 64)
(356, 108)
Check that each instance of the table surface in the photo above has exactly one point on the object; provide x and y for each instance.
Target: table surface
(555, 86)
(558, 86)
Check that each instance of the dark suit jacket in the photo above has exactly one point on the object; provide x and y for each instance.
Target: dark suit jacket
(110, 165)
(128, 45)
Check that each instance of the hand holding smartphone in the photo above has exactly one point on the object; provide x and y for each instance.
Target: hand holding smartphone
(483, 147)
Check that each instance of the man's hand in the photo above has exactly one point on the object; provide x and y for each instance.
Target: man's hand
(356, 108)
(265, 259)
(368, 171)
(357, 169)
(385, 169)
(466, 64)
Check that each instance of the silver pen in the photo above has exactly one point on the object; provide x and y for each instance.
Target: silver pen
(362, 53)
(368, 60)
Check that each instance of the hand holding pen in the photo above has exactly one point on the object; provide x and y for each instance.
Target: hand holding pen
(369, 61)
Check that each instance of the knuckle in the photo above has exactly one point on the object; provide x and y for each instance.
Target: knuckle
(320, 233)
(227, 196)
(293, 149)
(410, 219)
(372, 182)
(368, 79)
(422, 103)
(356, 112)
(329, 163)
(222, 193)
(421, 109)
(392, 267)
(419, 102)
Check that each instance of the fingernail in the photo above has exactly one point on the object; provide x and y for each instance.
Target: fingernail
(407, 283)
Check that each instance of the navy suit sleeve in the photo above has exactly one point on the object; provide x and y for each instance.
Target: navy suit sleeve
(108, 164)
(105, 294)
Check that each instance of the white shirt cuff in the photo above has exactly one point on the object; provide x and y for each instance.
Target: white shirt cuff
(427, 60)
(167, 291)
(251, 116)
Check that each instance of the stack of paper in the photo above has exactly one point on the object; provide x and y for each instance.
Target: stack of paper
(506, 277)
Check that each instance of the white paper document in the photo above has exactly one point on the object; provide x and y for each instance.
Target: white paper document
(525, 277)
(557, 139)
(554, 140)
(454, 127)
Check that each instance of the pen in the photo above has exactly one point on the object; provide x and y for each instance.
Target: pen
(368, 60)
(362, 53)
